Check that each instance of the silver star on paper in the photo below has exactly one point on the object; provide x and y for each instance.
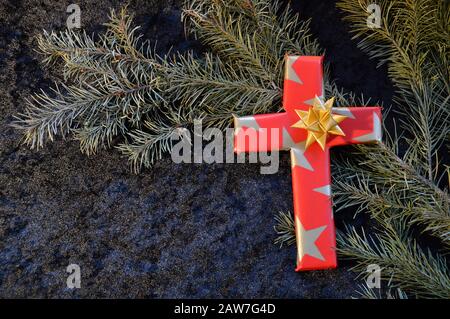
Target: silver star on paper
(306, 240)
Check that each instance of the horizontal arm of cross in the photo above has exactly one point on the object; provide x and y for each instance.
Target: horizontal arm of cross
(362, 125)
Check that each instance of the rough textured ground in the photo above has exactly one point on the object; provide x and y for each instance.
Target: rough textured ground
(173, 231)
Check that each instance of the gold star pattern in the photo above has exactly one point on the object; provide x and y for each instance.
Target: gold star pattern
(306, 243)
(319, 121)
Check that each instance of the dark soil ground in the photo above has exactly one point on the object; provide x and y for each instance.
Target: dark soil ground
(173, 231)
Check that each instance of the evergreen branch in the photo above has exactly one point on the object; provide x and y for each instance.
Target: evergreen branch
(251, 35)
(404, 265)
(225, 35)
(413, 40)
(215, 88)
(113, 87)
(365, 292)
(147, 147)
(285, 229)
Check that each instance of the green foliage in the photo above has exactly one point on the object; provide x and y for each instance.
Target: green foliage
(385, 184)
(285, 228)
(115, 86)
(402, 188)
(369, 293)
(414, 42)
(403, 263)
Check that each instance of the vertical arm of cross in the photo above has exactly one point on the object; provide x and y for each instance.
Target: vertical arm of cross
(314, 224)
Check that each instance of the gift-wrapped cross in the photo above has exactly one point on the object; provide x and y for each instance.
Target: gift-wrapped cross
(309, 128)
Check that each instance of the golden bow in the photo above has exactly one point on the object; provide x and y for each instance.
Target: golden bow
(319, 121)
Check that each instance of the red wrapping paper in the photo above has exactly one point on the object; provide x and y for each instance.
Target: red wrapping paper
(311, 179)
